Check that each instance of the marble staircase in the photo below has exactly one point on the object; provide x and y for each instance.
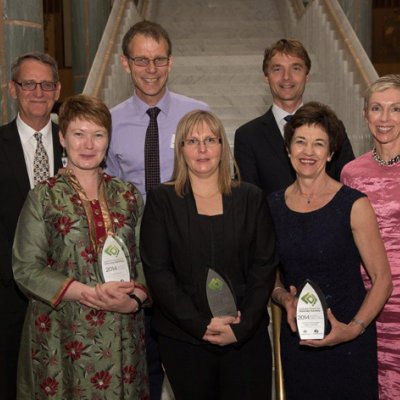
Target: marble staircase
(218, 49)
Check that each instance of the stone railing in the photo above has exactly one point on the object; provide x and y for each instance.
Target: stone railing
(106, 79)
(325, 31)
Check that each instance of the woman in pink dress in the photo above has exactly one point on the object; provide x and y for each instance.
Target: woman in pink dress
(377, 174)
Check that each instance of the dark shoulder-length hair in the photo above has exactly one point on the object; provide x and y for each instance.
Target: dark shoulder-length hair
(189, 123)
(314, 113)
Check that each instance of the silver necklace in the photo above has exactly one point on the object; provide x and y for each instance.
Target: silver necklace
(387, 163)
(310, 196)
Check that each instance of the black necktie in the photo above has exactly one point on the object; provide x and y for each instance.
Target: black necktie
(288, 117)
(151, 151)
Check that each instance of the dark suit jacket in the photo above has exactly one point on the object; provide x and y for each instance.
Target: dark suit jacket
(262, 157)
(175, 255)
(14, 184)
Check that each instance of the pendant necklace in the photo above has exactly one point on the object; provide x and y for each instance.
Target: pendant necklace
(309, 197)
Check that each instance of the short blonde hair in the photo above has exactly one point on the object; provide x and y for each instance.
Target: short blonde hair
(188, 123)
(391, 81)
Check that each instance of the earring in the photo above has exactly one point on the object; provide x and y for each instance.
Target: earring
(64, 158)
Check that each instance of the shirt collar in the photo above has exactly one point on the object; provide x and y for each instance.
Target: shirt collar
(141, 107)
(280, 113)
(26, 132)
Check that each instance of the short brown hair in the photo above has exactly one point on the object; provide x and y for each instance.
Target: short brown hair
(314, 113)
(188, 123)
(391, 81)
(41, 57)
(84, 107)
(291, 47)
(148, 29)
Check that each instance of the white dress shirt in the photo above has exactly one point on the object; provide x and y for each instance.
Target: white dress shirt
(280, 115)
(29, 143)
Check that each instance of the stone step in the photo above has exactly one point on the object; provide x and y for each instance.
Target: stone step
(225, 46)
(235, 102)
(228, 78)
(239, 70)
(231, 88)
(216, 61)
(237, 63)
(175, 11)
(225, 29)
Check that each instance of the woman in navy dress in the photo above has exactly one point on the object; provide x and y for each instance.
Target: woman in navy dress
(323, 230)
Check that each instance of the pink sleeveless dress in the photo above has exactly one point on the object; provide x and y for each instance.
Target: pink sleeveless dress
(382, 186)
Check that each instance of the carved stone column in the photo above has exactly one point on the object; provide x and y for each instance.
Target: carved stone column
(21, 31)
(89, 19)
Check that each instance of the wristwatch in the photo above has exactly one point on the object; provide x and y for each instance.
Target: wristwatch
(138, 301)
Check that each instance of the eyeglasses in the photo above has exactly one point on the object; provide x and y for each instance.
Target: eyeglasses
(210, 141)
(144, 61)
(46, 86)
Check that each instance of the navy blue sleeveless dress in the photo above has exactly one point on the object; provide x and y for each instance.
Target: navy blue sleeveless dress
(319, 245)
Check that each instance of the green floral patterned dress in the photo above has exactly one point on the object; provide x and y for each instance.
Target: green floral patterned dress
(68, 350)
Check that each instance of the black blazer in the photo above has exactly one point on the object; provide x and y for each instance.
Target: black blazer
(14, 184)
(262, 157)
(174, 261)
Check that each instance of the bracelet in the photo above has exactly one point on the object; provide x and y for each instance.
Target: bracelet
(138, 301)
(361, 323)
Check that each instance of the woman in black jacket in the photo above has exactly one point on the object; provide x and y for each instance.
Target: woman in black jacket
(203, 219)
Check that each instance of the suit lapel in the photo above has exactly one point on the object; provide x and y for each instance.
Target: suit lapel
(57, 151)
(15, 156)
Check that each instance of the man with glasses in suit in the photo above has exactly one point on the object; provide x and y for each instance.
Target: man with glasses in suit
(31, 135)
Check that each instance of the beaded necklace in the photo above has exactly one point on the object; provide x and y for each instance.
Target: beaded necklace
(387, 163)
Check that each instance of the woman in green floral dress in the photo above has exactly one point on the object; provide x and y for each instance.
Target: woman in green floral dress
(82, 338)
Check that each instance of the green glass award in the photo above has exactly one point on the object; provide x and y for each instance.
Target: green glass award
(311, 312)
(219, 295)
(115, 261)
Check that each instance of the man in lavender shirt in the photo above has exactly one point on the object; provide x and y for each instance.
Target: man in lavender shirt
(147, 58)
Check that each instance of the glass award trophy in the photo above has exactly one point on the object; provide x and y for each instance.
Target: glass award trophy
(115, 263)
(311, 312)
(219, 295)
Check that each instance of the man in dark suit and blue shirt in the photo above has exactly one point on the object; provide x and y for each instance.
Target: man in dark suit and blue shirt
(35, 86)
(259, 147)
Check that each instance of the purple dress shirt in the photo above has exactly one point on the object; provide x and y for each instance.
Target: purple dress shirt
(129, 124)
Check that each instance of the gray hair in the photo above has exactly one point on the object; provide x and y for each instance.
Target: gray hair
(41, 57)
